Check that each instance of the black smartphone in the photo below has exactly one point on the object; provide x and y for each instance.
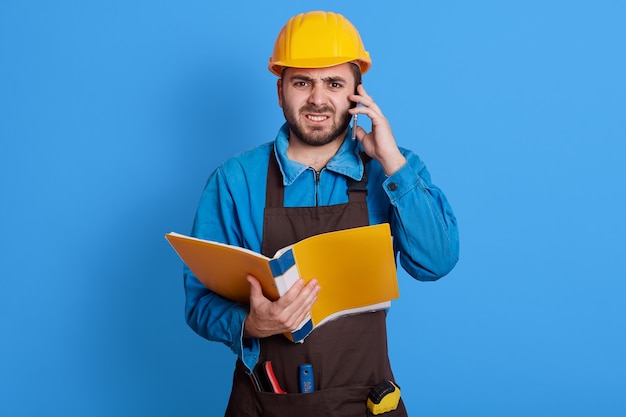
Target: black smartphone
(356, 116)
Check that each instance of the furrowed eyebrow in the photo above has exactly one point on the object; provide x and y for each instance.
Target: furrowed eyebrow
(334, 80)
(327, 80)
(300, 78)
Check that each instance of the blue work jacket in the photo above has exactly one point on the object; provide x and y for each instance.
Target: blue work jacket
(231, 211)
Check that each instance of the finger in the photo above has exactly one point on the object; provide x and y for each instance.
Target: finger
(366, 106)
(311, 297)
(372, 111)
(255, 288)
(294, 310)
(292, 294)
(309, 292)
(307, 297)
(360, 133)
(362, 92)
(361, 96)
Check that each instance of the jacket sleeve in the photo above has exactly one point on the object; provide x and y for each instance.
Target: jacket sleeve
(424, 227)
(208, 314)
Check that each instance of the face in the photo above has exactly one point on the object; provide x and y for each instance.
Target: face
(315, 102)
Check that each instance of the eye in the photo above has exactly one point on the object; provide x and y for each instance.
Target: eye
(300, 84)
(335, 84)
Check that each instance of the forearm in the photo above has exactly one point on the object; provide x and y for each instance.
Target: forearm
(424, 226)
(218, 319)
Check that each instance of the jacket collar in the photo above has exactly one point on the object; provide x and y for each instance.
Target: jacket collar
(346, 161)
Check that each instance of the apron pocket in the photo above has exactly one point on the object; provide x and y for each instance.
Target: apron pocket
(335, 402)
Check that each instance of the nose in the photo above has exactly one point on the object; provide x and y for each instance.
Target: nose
(318, 95)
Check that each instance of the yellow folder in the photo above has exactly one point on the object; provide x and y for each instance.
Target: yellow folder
(355, 269)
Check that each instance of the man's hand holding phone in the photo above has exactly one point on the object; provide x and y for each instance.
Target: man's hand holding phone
(380, 143)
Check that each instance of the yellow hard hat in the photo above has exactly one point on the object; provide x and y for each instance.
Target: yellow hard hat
(316, 40)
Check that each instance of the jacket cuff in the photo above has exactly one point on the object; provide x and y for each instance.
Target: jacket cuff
(246, 349)
(401, 182)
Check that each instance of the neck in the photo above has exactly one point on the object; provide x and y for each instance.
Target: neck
(314, 156)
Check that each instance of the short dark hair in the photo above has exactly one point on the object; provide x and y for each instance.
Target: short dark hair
(356, 70)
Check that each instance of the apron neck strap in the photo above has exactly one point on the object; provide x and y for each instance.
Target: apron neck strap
(275, 197)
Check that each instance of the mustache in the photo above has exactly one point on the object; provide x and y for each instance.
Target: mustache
(311, 108)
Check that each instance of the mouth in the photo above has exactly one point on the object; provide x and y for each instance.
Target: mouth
(316, 118)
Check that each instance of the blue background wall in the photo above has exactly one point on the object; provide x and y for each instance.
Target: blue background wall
(112, 115)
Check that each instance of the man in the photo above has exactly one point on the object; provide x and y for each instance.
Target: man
(310, 180)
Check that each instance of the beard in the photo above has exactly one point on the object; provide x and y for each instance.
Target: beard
(317, 136)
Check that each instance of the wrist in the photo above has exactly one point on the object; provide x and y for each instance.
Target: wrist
(393, 164)
(247, 329)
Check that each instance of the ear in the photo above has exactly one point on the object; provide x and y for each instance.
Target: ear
(279, 89)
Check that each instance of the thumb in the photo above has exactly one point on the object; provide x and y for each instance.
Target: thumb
(255, 287)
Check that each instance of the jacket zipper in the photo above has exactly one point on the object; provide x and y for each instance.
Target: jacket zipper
(317, 183)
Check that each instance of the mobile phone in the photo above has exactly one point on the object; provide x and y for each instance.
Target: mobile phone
(355, 118)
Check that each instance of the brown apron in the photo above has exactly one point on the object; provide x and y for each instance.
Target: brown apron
(349, 354)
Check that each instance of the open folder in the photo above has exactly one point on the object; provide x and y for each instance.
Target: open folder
(355, 269)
